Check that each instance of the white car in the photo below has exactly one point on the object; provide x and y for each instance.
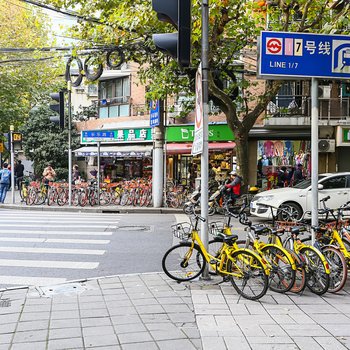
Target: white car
(298, 198)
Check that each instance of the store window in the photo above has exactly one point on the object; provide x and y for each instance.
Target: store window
(274, 155)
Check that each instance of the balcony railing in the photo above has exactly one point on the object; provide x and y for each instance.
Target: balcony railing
(296, 110)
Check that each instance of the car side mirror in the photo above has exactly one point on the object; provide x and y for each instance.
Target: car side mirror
(320, 187)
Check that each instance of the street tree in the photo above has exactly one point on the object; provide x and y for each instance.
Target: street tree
(233, 31)
(26, 73)
(44, 142)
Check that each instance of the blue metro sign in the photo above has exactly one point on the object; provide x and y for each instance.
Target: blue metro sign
(155, 111)
(284, 54)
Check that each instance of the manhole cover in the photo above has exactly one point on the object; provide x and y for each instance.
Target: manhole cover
(134, 228)
(5, 302)
(66, 289)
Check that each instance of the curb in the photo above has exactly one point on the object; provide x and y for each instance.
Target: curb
(111, 209)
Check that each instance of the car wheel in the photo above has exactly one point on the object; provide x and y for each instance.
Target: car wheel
(295, 212)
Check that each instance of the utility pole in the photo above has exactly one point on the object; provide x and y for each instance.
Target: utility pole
(204, 155)
(69, 88)
(12, 129)
(158, 159)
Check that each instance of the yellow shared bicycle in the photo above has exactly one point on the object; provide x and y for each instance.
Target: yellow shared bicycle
(246, 270)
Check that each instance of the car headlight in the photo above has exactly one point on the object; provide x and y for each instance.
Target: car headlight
(265, 198)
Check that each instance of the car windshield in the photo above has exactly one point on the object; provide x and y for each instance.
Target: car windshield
(306, 183)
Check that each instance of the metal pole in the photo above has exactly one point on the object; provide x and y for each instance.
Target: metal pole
(314, 154)
(12, 128)
(98, 171)
(204, 155)
(69, 88)
(158, 158)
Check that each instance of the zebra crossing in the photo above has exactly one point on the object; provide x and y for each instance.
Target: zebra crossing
(43, 248)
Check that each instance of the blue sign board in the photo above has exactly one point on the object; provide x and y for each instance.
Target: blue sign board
(98, 135)
(284, 54)
(155, 113)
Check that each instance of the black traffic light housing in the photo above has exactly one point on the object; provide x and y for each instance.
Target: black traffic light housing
(177, 13)
(58, 108)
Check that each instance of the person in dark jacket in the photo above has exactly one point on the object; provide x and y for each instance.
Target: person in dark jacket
(19, 173)
(298, 174)
(282, 176)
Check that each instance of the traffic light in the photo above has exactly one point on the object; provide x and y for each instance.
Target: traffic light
(58, 108)
(177, 13)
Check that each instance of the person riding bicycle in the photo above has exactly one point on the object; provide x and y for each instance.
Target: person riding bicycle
(232, 188)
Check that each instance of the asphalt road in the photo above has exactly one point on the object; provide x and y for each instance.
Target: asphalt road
(54, 247)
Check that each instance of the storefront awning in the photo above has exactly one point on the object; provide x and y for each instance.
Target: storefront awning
(185, 148)
(115, 151)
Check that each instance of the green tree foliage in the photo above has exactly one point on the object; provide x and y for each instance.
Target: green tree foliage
(234, 28)
(25, 76)
(44, 142)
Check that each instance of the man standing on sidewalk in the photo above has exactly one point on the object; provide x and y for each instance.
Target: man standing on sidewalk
(5, 178)
(19, 173)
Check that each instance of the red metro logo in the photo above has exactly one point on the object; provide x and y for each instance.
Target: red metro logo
(273, 46)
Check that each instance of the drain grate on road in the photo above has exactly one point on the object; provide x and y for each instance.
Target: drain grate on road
(134, 228)
(5, 302)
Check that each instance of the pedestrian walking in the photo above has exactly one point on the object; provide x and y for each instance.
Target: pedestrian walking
(5, 178)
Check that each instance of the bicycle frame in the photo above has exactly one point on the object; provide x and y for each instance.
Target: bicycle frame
(258, 245)
(219, 264)
(297, 246)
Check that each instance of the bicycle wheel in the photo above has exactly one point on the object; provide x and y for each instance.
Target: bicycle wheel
(83, 198)
(347, 246)
(247, 274)
(300, 274)
(338, 266)
(317, 278)
(183, 262)
(51, 196)
(62, 198)
(30, 199)
(40, 197)
(282, 274)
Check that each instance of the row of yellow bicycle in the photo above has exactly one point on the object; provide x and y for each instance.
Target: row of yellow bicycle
(284, 261)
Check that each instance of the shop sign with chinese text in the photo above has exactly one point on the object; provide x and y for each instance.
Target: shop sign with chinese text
(185, 133)
(135, 135)
(284, 54)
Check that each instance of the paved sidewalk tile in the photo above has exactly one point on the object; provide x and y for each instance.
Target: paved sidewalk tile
(151, 312)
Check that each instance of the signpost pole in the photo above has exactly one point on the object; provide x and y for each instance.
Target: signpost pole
(204, 155)
(314, 154)
(158, 158)
(12, 128)
(98, 171)
(70, 170)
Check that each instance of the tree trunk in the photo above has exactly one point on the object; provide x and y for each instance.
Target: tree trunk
(241, 139)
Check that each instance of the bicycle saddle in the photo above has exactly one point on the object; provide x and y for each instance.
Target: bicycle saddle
(260, 229)
(228, 239)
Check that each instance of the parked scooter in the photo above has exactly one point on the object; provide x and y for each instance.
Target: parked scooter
(215, 203)
(195, 198)
(193, 202)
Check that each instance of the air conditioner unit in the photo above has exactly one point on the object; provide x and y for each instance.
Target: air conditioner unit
(326, 145)
(324, 91)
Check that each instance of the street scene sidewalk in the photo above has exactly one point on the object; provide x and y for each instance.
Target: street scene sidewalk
(150, 311)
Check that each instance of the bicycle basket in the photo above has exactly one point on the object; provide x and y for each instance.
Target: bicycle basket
(182, 230)
(216, 228)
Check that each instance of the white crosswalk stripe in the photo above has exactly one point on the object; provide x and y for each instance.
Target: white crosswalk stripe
(39, 248)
